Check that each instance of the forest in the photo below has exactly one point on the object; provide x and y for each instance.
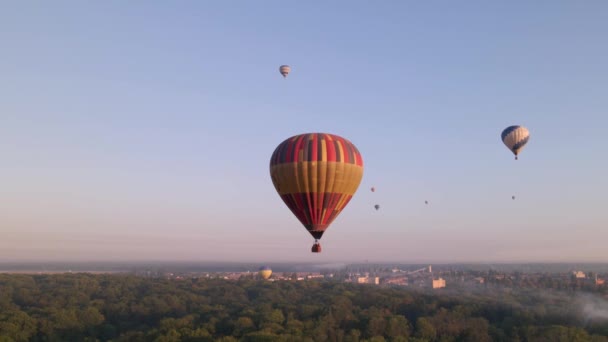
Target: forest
(88, 307)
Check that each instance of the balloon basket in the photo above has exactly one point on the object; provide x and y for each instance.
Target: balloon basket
(316, 248)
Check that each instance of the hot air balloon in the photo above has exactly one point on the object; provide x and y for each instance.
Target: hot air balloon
(284, 70)
(515, 138)
(513, 197)
(265, 272)
(316, 175)
(373, 189)
(426, 202)
(377, 206)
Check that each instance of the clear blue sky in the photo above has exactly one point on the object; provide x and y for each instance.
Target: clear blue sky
(143, 130)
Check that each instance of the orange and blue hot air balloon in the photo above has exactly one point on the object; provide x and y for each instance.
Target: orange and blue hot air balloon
(515, 138)
(316, 175)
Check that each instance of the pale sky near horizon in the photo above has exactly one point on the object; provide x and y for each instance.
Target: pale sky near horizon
(143, 130)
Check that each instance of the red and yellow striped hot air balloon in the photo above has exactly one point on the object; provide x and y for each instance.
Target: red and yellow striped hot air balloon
(316, 175)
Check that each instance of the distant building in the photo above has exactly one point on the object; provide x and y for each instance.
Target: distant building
(315, 276)
(579, 274)
(397, 281)
(368, 280)
(438, 283)
(480, 280)
(599, 281)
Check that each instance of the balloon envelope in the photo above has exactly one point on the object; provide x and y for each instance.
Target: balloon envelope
(284, 70)
(265, 272)
(515, 138)
(316, 175)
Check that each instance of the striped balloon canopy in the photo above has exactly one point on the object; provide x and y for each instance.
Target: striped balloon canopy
(284, 70)
(515, 138)
(316, 175)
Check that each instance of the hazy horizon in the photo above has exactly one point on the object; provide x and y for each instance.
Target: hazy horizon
(144, 131)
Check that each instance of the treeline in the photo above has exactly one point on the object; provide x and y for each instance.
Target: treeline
(85, 307)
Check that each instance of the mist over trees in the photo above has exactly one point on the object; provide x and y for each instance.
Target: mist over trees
(87, 307)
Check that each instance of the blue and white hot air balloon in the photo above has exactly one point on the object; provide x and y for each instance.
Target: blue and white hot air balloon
(515, 138)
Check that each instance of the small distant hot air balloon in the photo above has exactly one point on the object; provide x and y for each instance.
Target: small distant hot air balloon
(316, 175)
(265, 272)
(426, 202)
(512, 197)
(284, 70)
(515, 138)
(377, 206)
(373, 189)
